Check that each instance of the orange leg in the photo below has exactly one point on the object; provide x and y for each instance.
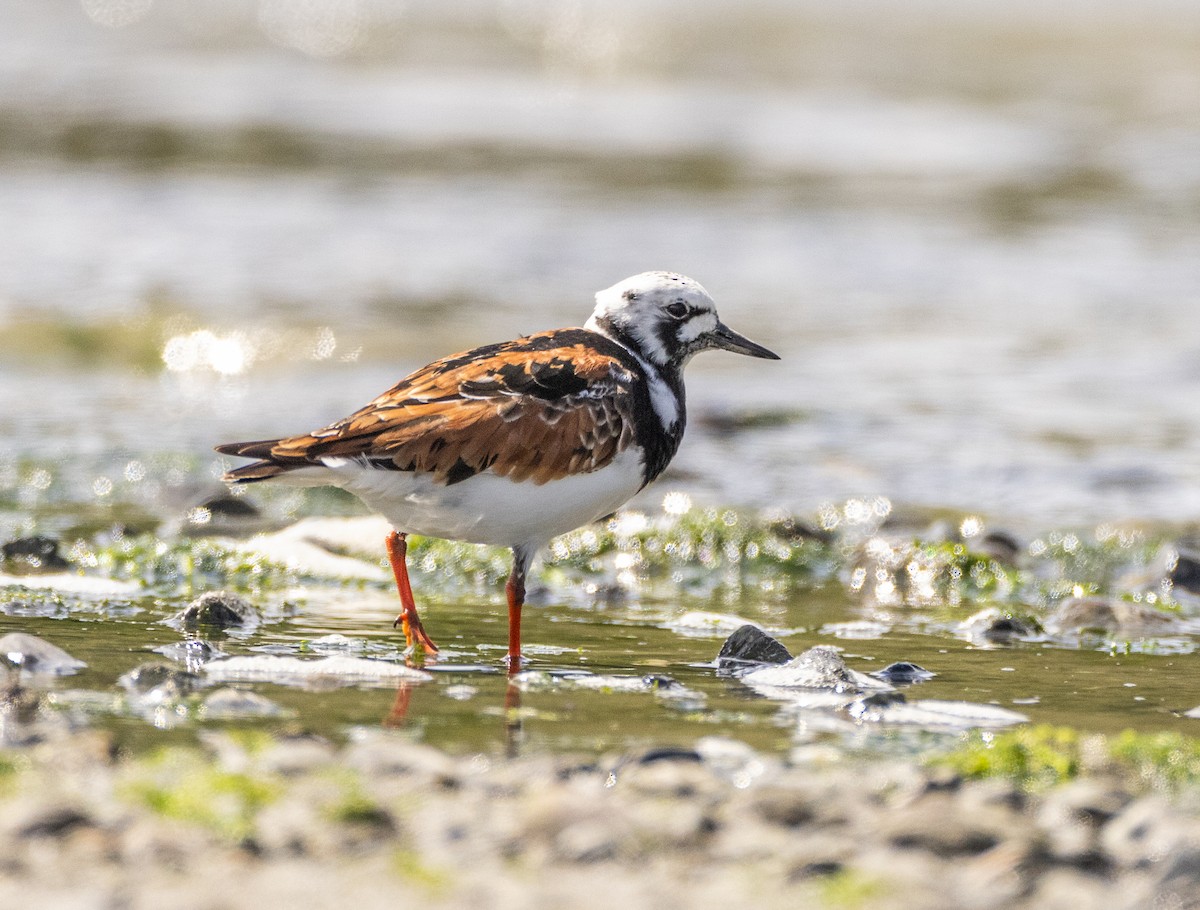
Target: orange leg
(414, 632)
(515, 589)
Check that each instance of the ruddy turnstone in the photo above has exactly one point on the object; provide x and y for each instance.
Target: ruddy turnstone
(515, 443)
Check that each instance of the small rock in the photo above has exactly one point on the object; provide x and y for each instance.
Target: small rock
(34, 552)
(1141, 834)
(731, 760)
(937, 824)
(229, 506)
(750, 645)
(1185, 573)
(325, 672)
(232, 704)
(23, 716)
(589, 840)
(295, 755)
(1071, 818)
(159, 681)
(218, 609)
(1000, 546)
(667, 753)
(192, 653)
(903, 671)
(1082, 614)
(820, 667)
(994, 626)
(39, 817)
(385, 756)
(1007, 628)
(795, 531)
(682, 776)
(786, 806)
(36, 655)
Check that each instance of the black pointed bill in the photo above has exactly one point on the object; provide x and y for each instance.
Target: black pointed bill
(726, 339)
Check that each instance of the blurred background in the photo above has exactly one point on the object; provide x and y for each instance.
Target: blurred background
(972, 231)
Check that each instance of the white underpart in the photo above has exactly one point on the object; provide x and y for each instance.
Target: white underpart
(486, 508)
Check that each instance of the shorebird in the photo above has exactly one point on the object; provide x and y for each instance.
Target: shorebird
(515, 443)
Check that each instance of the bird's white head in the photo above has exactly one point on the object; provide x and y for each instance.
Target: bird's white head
(666, 318)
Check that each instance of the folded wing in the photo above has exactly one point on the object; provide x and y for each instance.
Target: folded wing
(535, 409)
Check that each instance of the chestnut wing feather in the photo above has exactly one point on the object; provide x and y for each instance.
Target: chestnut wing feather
(530, 409)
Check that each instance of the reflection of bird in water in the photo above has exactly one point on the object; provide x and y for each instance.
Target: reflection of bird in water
(513, 444)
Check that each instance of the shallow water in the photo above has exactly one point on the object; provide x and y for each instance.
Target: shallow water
(971, 234)
(591, 645)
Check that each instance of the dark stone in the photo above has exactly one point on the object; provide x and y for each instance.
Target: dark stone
(52, 821)
(669, 753)
(795, 531)
(749, 646)
(1001, 546)
(882, 699)
(1006, 628)
(818, 869)
(228, 506)
(903, 671)
(35, 552)
(217, 609)
(1186, 573)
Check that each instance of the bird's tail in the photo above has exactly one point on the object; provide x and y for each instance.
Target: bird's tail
(264, 469)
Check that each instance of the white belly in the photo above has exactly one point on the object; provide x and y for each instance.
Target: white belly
(485, 508)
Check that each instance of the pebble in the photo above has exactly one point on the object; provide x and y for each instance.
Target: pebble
(29, 816)
(821, 667)
(903, 671)
(1083, 614)
(35, 552)
(193, 653)
(748, 646)
(232, 704)
(159, 681)
(1185, 573)
(217, 610)
(36, 656)
(325, 672)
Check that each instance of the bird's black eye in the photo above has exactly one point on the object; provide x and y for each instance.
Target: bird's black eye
(677, 310)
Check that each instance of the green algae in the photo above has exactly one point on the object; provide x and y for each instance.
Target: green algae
(1163, 760)
(11, 767)
(408, 865)
(183, 784)
(1043, 756)
(188, 564)
(1036, 757)
(849, 889)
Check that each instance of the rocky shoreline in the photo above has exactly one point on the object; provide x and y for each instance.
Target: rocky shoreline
(253, 820)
